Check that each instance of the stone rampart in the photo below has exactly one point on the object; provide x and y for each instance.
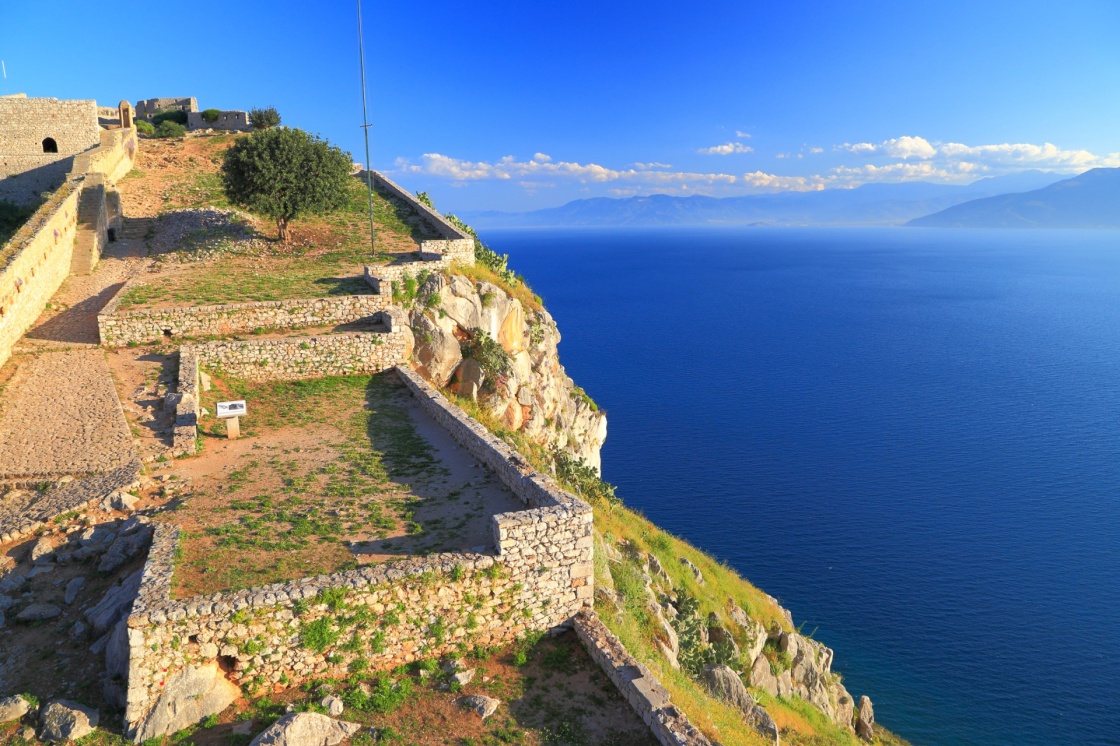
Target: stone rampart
(34, 263)
(637, 684)
(537, 576)
(232, 121)
(120, 327)
(113, 157)
(39, 138)
(149, 107)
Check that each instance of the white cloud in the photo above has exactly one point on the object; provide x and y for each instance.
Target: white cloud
(813, 183)
(726, 149)
(542, 157)
(650, 165)
(436, 164)
(816, 151)
(742, 135)
(900, 147)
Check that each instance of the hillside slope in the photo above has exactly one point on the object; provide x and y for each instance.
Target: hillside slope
(1091, 200)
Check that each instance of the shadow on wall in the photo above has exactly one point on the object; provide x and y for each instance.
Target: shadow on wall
(28, 187)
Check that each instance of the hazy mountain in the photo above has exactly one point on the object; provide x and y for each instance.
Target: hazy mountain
(871, 204)
(1091, 200)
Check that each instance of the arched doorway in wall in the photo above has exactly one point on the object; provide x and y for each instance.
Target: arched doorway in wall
(50, 146)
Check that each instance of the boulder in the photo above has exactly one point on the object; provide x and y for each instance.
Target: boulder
(305, 729)
(188, 696)
(484, 706)
(511, 333)
(762, 677)
(333, 705)
(38, 613)
(462, 678)
(41, 552)
(13, 708)
(695, 570)
(437, 350)
(717, 635)
(114, 604)
(62, 720)
(122, 501)
(126, 546)
(865, 725)
(72, 589)
(785, 684)
(463, 311)
(761, 721)
(725, 684)
(470, 377)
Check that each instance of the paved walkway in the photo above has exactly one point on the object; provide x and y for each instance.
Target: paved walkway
(60, 415)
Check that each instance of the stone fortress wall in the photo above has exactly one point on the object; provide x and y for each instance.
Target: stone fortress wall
(149, 107)
(536, 575)
(67, 231)
(34, 263)
(452, 243)
(231, 121)
(39, 138)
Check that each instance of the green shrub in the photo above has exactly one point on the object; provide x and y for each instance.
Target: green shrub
(490, 356)
(318, 635)
(211, 115)
(169, 115)
(169, 128)
(265, 118)
(145, 127)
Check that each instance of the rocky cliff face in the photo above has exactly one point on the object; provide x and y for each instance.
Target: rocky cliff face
(532, 394)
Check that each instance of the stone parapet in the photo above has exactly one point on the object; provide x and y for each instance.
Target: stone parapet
(118, 327)
(451, 241)
(637, 684)
(35, 262)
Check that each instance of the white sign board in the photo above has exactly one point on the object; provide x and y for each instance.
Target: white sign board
(227, 409)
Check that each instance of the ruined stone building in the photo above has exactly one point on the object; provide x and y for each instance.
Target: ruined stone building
(39, 138)
(149, 107)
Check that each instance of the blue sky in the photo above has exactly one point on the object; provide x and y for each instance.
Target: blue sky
(514, 105)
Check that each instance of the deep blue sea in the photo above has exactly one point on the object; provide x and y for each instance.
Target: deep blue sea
(909, 437)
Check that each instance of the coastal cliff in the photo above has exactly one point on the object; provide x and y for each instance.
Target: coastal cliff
(728, 653)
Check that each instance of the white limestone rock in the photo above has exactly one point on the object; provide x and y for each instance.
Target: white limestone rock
(13, 708)
(305, 729)
(188, 696)
(62, 720)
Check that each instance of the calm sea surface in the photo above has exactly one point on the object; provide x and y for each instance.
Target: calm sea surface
(910, 437)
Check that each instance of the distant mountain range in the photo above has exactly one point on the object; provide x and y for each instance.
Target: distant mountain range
(1091, 200)
(871, 204)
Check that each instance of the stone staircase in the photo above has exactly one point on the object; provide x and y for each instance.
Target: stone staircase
(135, 228)
(91, 227)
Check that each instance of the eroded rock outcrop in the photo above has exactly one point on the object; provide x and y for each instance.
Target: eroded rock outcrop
(189, 695)
(305, 729)
(535, 396)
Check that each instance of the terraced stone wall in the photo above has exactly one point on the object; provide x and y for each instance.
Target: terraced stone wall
(536, 576)
(34, 263)
(118, 328)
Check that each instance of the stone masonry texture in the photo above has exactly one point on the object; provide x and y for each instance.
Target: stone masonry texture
(538, 578)
(120, 327)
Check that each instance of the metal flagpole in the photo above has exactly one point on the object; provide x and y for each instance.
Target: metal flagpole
(365, 129)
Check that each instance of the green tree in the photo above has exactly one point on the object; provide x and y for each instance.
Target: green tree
(264, 119)
(285, 173)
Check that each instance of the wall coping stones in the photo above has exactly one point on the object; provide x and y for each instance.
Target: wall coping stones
(637, 684)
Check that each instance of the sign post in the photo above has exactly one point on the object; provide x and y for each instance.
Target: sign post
(232, 412)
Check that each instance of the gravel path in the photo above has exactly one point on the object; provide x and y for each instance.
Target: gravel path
(61, 416)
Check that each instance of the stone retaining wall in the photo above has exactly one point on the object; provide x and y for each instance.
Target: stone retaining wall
(34, 263)
(304, 357)
(637, 684)
(538, 577)
(452, 242)
(121, 327)
(285, 359)
(23, 514)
